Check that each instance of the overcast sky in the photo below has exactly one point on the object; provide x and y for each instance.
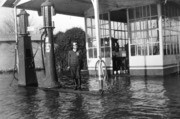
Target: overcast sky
(62, 22)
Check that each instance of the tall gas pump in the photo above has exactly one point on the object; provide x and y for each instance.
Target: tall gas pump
(50, 80)
(26, 75)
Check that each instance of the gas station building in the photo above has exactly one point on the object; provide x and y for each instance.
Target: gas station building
(147, 32)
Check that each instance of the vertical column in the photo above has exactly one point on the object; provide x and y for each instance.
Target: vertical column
(129, 39)
(129, 32)
(160, 29)
(97, 29)
(16, 39)
(110, 35)
(86, 30)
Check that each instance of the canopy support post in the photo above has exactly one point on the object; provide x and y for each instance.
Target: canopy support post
(97, 29)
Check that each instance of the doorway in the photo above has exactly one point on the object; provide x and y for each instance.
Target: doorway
(119, 38)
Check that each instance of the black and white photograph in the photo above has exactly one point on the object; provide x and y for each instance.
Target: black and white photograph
(89, 59)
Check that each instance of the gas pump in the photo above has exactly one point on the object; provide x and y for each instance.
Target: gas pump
(47, 11)
(26, 75)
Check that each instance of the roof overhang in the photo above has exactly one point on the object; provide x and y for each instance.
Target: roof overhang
(68, 7)
(80, 7)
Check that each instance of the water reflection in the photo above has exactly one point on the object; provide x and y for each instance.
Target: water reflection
(93, 106)
(29, 105)
(172, 87)
(50, 105)
(148, 99)
(77, 110)
(125, 97)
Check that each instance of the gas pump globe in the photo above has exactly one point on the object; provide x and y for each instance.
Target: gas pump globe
(23, 16)
(47, 11)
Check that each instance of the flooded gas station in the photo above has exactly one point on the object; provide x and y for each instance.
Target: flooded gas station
(132, 50)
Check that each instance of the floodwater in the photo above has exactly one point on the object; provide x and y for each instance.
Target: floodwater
(124, 98)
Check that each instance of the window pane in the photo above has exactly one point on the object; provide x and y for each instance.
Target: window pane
(107, 52)
(133, 50)
(115, 25)
(143, 25)
(144, 11)
(153, 9)
(178, 48)
(89, 32)
(149, 24)
(93, 33)
(144, 34)
(175, 48)
(165, 49)
(106, 42)
(154, 23)
(154, 33)
(94, 43)
(95, 52)
(148, 11)
(102, 41)
(107, 32)
(144, 50)
(102, 52)
(90, 42)
(88, 22)
(172, 49)
(132, 26)
(168, 49)
(90, 53)
(154, 39)
(131, 13)
(138, 12)
(93, 22)
(137, 25)
(139, 49)
(150, 49)
(138, 35)
(156, 49)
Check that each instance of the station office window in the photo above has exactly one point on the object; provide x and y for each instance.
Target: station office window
(171, 28)
(104, 37)
(92, 43)
(104, 34)
(119, 31)
(144, 35)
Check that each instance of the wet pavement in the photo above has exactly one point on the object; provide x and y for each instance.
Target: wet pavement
(124, 98)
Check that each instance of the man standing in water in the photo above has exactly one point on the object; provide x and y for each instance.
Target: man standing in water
(74, 58)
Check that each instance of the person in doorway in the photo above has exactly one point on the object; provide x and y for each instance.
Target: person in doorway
(74, 60)
(115, 51)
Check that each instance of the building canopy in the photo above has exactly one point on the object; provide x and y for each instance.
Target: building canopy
(79, 7)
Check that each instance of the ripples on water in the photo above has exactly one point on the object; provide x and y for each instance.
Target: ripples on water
(127, 98)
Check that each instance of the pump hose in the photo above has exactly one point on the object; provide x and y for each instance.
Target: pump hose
(15, 66)
(104, 74)
(42, 53)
